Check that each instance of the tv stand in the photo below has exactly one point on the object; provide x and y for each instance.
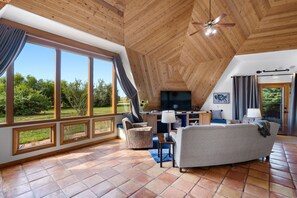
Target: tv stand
(187, 117)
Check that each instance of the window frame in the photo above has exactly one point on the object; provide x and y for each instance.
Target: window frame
(112, 119)
(39, 37)
(63, 124)
(16, 135)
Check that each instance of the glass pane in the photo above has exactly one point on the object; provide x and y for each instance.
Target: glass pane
(102, 87)
(103, 126)
(3, 98)
(123, 102)
(34, 83)
(34, 138)
(74, 85)
(272, 104)
(75, 131)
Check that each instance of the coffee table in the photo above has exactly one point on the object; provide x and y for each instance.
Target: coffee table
(161, 141)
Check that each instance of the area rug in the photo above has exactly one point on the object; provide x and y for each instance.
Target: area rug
(165, 153)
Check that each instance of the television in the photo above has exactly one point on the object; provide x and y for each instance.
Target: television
(176, 100)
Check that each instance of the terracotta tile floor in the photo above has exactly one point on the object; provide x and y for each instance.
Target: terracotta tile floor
(110, 170)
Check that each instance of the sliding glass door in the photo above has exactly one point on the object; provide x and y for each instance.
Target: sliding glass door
(274, 102)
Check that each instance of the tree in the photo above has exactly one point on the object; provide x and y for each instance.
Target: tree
(2, 95)
(77, 95)
(271, 102)
(28, 101)
(102, 94)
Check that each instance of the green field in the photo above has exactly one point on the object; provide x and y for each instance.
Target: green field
(65, 113)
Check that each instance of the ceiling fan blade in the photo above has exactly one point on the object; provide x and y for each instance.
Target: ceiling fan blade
(216, 20)
(225, 24)
(191, 34)
(196, 23)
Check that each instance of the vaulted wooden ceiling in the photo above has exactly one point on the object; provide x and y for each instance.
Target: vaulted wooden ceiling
(155, 32)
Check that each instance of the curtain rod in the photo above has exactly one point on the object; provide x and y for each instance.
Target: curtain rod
(274, 75)
(266, 75)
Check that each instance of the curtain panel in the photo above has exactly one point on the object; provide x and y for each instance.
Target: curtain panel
(292, 124)
(245, 95)
(128, 88)
(12, 41)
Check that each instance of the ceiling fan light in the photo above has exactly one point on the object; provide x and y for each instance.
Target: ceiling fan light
(208, 31)
(214, 31)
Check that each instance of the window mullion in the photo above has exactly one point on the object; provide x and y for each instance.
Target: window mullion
(10, 94)
(114, 91)
(90, 86)
(57, 103)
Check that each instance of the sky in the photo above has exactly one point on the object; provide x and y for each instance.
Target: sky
(39, 61)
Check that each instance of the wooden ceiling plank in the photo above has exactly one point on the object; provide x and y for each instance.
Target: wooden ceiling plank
(110, 7)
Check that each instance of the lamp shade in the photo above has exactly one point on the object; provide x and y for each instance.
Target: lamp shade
(168, 116)
(254, 113)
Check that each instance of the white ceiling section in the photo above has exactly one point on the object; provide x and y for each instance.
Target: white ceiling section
(21, 16)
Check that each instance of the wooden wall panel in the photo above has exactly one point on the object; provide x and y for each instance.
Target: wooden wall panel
(152, 76)
(276, 31)
(88, 16)
(156, 35)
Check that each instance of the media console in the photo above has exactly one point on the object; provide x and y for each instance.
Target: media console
(185, 117)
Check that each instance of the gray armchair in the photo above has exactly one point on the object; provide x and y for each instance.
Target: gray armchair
(138, 135)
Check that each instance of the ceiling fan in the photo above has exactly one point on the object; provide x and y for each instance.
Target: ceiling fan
(211, 25)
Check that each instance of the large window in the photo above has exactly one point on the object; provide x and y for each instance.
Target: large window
(2, 98)
(123, 102)
(74, 85)
(51, 81)
(34, 72)
(34, 138)
(102, 89)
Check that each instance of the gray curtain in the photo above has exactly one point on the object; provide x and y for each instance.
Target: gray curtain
(292, 124)
(245, 95)
(12, 41)
(128, 88)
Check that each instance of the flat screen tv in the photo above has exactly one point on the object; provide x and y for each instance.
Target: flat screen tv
(176, 100)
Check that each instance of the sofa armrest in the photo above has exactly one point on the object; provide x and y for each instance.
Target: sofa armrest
(139, 124)
(173, 135)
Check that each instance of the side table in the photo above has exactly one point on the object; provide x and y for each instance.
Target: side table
(161, 141)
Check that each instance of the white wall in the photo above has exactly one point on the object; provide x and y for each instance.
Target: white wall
(6, 142)
(248, 65)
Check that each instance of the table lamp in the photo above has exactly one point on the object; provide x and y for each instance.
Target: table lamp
(254, 113)
(168, 117)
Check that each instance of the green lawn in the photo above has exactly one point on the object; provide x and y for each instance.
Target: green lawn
(34, 135)
(64, 114)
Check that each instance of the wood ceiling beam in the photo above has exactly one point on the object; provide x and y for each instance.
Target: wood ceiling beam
(110, 7)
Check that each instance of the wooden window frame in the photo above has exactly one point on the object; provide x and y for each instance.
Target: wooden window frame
(58, 43)
(102, 119)
(16, 143)
(63, 124)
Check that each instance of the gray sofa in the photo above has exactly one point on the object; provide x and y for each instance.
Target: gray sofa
(198, 146)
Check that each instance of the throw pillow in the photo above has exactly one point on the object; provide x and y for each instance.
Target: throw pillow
(216, 114)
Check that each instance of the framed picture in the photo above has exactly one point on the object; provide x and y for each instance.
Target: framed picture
(221, 98)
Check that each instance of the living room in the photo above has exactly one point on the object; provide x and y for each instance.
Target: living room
(159, 46)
